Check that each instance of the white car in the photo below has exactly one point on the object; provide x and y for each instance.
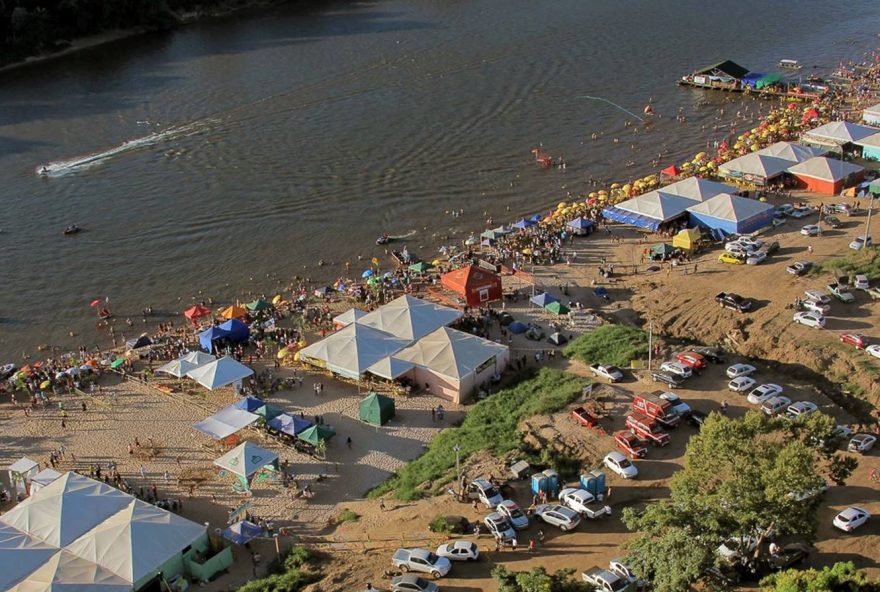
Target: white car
(512, 512)
(861, 282)
(756, 258)
(763, 392)
(499, 526)
(860, 242)
(816, 307)
(679, 406)
(874, 350)
(484, 491)
(774, 405)
(749, 241)
(741, 384)
(811, 230)
(810, 319)
(862, 443)
(734, 547)
(617, 463)
(564, 518)
(677, 368)
(583, 502)
(851, 518)
(738, 370)
(817, 296)
(625, 573)
(800, 212)
(800, 409)
(459, 551)
(739, 249)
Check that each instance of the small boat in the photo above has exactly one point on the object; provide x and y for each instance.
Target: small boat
(789, 64)
(72, 229)
(6, 370)
(404, 257)
(383, 240)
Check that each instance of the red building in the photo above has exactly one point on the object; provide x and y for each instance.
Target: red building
(477, 286)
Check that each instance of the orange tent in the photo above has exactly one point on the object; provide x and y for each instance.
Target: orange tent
(476, 285)
(233, 312)
(196, 311)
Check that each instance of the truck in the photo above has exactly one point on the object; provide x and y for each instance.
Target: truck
(606, 581)
(656, 407)
(841, 292)
(647, 428)
(733, 301)
(610, 373)
(421, 560)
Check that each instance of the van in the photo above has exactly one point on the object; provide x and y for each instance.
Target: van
(656, 407)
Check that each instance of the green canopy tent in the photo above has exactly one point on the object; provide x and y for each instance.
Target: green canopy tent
(376, 409)
(269, 412)
(316, 434)
(662, 249)
(420, 267)
(557, 308)
(258, 304)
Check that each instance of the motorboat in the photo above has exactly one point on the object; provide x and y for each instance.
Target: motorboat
(789, 64)
(72, 229)
(383, 240)
(7, 370)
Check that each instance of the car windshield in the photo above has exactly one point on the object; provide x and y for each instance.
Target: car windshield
(431, 558)
(515, 512)
(623, 463)
(491, 492)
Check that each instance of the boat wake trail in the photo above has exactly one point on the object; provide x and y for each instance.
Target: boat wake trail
(403, 236)
(59, 168)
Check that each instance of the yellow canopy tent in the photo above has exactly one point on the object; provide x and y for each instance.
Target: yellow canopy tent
(687, 240)
(233, 312)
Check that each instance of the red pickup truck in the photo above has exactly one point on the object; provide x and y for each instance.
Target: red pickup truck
(655, 407)
(630, 444)
(646, 427)
(584, 417)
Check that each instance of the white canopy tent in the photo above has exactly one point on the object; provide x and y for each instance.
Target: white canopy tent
(178, 367)
(871, 115)
(220, 373)
(754, 166)
(351, 350)
(410, 318)
(21, 472)
(65, 572)
(246, 459)
(657, 205)
(837, 133)
(697, 189)
(199, 358)
(390, 368)
(226, 422)
(791, 151)
(20, 554)
(43, 478)
(451, 353)
(348, 317)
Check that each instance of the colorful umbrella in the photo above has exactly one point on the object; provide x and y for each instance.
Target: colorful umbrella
(259, 304)
(420, 267)
(95, 302)
(367, 273)
(195, 312)
(45, 384)
(233, 312)
(557, 308)
(117, 363)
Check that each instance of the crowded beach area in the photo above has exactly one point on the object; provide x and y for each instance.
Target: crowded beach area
(214, 440)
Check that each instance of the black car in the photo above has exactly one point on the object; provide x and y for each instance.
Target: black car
(713, 354)
(771, 248)
(668, 379)
(733, 301)
(832, 221)
(697, 418)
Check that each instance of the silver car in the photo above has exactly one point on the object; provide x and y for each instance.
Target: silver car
(499, 526)
(556, 515)
(513, 513)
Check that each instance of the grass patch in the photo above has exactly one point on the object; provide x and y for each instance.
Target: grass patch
(292, 572)
(617, 345)
(344, 516)
(865, 262)
(489, 425)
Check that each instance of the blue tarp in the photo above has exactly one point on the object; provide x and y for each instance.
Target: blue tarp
(581, 223)
(242, 532)
(543, 299)
(752, 78)
(208, 337)
(523, 224)
(536, 218)
(249, 404)
(601, 292)
(237, 330)
(289, 424)
(624, 217)
(516, 327)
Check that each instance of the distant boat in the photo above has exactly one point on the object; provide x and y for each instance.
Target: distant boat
(789, 64)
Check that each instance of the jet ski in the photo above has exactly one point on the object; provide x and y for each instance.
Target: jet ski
(72, 229)
(383, 240)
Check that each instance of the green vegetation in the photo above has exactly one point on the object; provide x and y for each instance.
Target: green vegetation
(440, 524)
(345, 515)
(609, 344)
(866, 261)
(294, 571)
(490, 425)
(840, 577)
(736, 481)
(537, 580)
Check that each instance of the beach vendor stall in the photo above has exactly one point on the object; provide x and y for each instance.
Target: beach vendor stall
(219, 373)
(249, 464)
(21, 472)
(376, 409)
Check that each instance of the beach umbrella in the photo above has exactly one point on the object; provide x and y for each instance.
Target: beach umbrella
(45, 384)
(277, 299)
(60, 375)
(436, 262)
(233, 312)
(420, 267)
(516, 327)
(367, 273)
(372, 281)
(117, 363)
(195, 312)
(72, 371)
(258, 304)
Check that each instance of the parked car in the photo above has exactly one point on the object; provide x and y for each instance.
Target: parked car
(851, 518)
(789, 555)
(756, 258)
(714, 355)
(874, 293)
(784, 209)
(676, 368)
(738, 370)
(810, 319)
(733, 301)
(604, 580)
(421, 560)
(815, 306)
(483, 490)
(811, 230)
(631, 444)
(800, 409)
(856, 339)
(817, 296)
(735, 547)
(459, 551)
(609, 373)
(657, 408)
(762, 393)
(499, 526)
(800, 212)
(730, 259)
(741, 384)
(861, 282)
(862, 443)
(861, 242)
(514, 514)
(671, 380)
(874, 350)
(679, 406)
(647, 428)
(799, 267)
(556, 515)
(692, 360)
(832, 221)
(583, 502)
(840, 292)
(412, 583)
(625, 572)
(771, 247)
(775, 405)
(620, 465)
(697, 418)
(750, 241)
(739, 249)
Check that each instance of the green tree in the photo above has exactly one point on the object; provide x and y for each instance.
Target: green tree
(737, 481)
(840, 577)
(537, 580)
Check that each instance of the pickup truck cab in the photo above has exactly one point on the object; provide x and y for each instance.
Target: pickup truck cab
(799, 267)
(610, 373)
(421, 560)
(583, 502)
(630, 444)
(605, 580)
(647, 428)
(692, 360)
(840, 292)
(667, 378)
(677, 368)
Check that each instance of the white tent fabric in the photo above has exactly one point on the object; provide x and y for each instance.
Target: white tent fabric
(348, 317)
(226, 422)
(44, 478)
(873, 110)
(825, 169)
(137, 540)
(657, 205)
(220, 373)
(177, 368)
(353, 349)
(451, 353)
(23, 465)
(65, 509)
(246, 459)
(791, 151)
(410, 318)
(65, 572)
(758, 165)
(20, 554)
(697, 189)
(199, 358)
(840, 132)
(390, 368)
(872, 141)
(731, 207)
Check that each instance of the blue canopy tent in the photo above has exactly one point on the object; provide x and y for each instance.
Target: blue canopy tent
(624, 217)
(600, 292)
(536, 218)
(543, 299)
(209, 336)
(250, 404)
(523, 224)
(242, 532)
(516, 327)
(237, 330)
(289, 424)
(581, 225)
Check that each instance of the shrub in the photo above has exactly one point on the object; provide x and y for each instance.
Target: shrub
(345, 515)
(291, 573)
(609, 344)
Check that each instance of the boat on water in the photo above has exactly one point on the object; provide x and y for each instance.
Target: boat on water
(789, 64)
(6, 371)
(404, 257)
(72, 229)
(383, 240)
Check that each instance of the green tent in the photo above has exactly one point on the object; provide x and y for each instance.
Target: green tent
(557, 308)
(420, 267)
(376, 409)
(269, 412)
(315, 434)
(768, 80)
(258, 304)
(663, 249)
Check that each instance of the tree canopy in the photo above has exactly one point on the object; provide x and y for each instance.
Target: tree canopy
(746, 480)
(840, 577)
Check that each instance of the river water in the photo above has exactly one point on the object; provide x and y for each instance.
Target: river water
(212, 157)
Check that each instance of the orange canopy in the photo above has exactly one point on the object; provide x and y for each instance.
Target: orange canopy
(233, 312)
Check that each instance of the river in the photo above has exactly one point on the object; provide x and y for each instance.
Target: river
(228, 156)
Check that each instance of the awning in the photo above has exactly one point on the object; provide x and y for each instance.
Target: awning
(242, 532)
